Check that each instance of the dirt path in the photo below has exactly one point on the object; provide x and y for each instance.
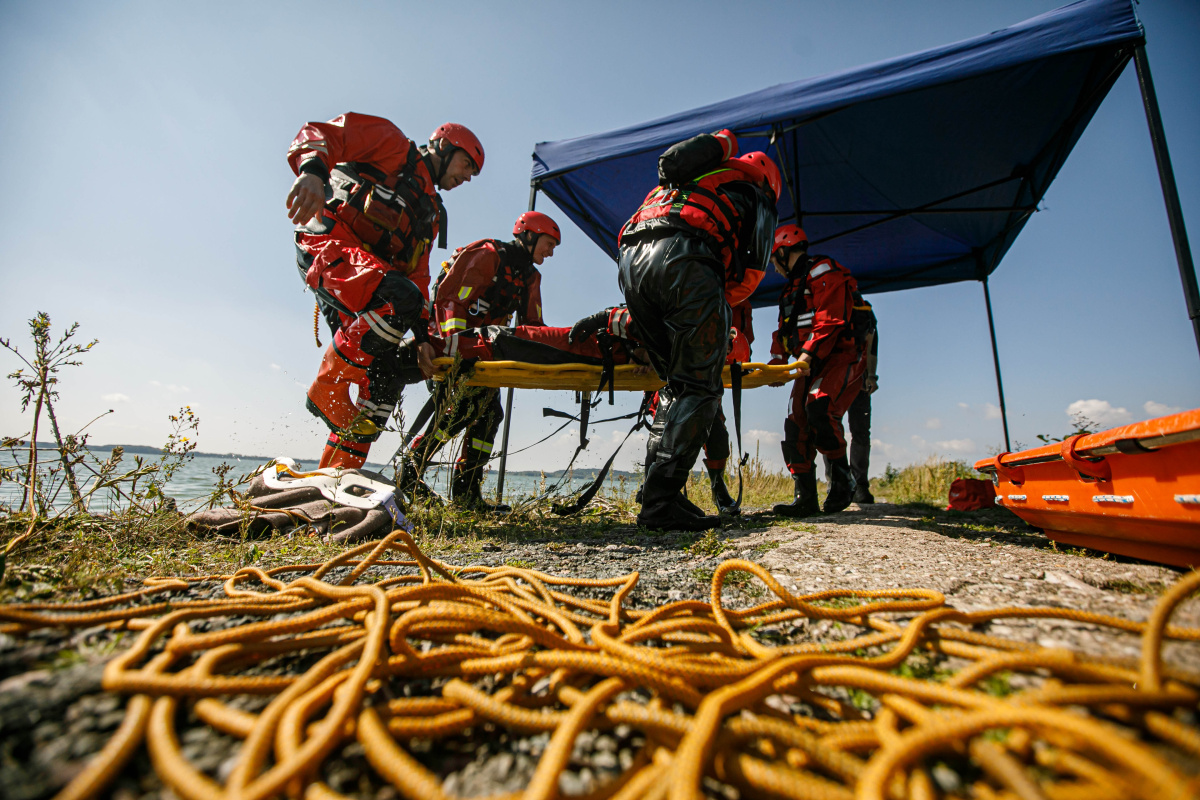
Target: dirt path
(53, 715)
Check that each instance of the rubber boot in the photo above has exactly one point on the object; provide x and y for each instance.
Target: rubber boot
(804, 503)
(413, 486)
(720, 493)
(672, 517)
(329, 394)
(862, 494)
(466, 485)
(841, 486)
(682, 501)
(335, 456)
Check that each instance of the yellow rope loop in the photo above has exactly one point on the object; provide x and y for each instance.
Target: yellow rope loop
(710, 695)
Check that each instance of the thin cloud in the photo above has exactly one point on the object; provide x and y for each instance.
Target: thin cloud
(115, 397)
(1100, 412)
(991, 411)
(933, 423)
(956, 445)
(1154, 409)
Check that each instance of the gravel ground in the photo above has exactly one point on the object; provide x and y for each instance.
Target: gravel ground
(53, 714)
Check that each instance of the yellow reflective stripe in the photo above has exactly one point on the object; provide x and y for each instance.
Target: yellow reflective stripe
(464, 293)
(453, 324)
(479, 444)
(709, 174)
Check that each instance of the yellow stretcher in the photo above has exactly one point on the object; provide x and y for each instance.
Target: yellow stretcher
(586, 378)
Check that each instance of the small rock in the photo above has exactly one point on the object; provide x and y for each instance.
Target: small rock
(570, 783)
(1063, 579)
(604, 759)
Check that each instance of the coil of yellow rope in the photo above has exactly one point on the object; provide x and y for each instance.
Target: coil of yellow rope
(712, 698)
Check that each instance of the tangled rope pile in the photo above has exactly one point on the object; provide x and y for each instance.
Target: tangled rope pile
(712, 701)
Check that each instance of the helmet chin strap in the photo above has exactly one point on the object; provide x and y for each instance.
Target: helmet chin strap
(802, 264)
(444, 158)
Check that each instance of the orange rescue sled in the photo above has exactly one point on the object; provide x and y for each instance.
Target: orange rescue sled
(1133, 490)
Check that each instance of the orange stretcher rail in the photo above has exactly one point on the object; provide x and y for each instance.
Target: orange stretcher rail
(1133, 490)
(586, 378)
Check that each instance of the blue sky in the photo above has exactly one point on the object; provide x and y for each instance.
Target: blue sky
(144, 150)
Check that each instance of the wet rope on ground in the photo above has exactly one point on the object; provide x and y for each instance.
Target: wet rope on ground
(710, 696)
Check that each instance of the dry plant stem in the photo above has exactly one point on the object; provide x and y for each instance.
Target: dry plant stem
(692, 678)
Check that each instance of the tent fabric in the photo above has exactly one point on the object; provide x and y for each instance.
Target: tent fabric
(916, 171)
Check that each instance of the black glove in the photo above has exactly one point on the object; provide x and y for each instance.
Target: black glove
(588, 326)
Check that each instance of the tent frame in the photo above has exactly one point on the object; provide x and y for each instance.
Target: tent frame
(1166, 177)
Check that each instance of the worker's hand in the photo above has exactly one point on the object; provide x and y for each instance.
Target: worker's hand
(870, 384)
(425, 359)
(588, 326)
(306, 198)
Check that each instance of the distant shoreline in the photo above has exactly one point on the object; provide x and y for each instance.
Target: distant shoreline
(144, 450)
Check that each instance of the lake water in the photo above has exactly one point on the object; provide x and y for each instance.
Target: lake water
(195, 480)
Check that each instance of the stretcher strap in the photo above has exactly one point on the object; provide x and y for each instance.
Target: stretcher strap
(608, 371)
(583, 498)
(735, 374)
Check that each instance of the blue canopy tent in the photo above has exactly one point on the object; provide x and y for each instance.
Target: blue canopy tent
(916, 171)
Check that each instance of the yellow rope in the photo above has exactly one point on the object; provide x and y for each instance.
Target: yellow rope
(711, 698)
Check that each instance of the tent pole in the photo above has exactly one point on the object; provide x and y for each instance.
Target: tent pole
(508, 399)
(987, 299)
(1166, 177)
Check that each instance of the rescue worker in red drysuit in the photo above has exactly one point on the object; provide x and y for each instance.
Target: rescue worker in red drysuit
(815, 310)
(697, 245)
(482, 285)
(858, 416)
(366, 200)
(716, 447)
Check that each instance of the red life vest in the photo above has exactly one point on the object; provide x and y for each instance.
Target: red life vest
(697, 206)
(395, 216)
(509, 289)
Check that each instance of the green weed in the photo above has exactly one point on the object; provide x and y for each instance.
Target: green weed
(708, 545)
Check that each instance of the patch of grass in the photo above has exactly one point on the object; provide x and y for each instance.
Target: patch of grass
(922, 667)
(764, 547)
(997, 684)
(702, 575)
(1130, 587)
(520, 563)
(925, 484)
(839, 602)
(708, 545)
(1079, 552)
(862, 700)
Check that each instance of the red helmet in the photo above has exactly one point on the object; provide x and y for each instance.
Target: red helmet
(461, 137)
(763, 164)
(789, 236)
(537, 222)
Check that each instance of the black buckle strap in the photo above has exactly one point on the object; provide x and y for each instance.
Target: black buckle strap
(735, 375)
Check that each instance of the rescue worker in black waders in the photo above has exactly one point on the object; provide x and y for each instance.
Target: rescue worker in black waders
(698, 244)
(816, 311)
(366, 200)
(484, 284)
